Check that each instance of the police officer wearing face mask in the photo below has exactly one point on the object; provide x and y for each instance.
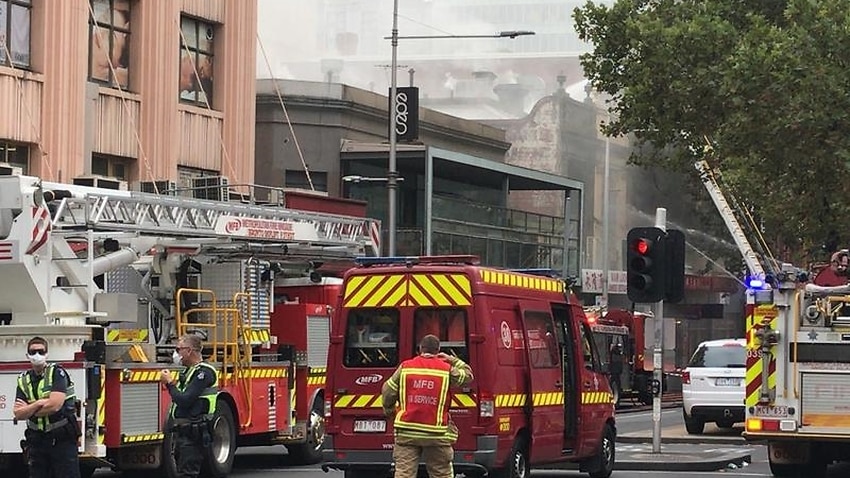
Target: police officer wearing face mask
(45, 399)
(193, 401)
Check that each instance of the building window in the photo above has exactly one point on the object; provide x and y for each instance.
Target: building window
(15, 155)
(196, 61)
(297, 178)
(15, 32)
(109, 42)
(110, 166)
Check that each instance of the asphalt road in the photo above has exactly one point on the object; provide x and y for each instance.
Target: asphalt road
(264, 462)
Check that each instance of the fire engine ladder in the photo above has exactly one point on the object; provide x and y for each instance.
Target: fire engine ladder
(728, 214)
(170, 216)
(229, 338)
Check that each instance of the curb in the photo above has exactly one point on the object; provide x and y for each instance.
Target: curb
(678, 465)
(697, 440)
(646, 408)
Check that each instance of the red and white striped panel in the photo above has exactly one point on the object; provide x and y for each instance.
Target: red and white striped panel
(375, 235)
(40, 228)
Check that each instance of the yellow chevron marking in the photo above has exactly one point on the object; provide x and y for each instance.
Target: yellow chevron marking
(362, 401)
(127, 335)
(388, 286)
(344, 400)
(417, 295)
(352, 285)
(464, 400)
(141, 438)
(428, 286)
(395, 299)
(357, 299)
(459, 293)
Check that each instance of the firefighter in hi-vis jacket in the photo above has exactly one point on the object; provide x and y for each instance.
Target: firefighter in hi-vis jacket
(423, 429)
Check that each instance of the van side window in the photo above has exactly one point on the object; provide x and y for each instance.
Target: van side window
(591, 360)
(448, 324)
(543, 349)
(371, 338)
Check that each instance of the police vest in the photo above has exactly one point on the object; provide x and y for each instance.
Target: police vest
(56, 420)
(423, 395)
(210, 394)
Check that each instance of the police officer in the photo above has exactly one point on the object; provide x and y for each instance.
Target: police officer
(45, 399)
(193, 401)
(422, 425)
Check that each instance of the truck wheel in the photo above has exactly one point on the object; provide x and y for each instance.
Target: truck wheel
(219, 461)
(694, 426)
(310, 451)
(602, 465)
(517, 464)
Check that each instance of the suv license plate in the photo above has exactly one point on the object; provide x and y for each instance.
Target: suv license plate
(370, 426)
(728, 382)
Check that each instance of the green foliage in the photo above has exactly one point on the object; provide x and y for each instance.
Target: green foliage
(764, 83)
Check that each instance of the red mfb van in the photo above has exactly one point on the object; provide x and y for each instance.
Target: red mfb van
(539, 396)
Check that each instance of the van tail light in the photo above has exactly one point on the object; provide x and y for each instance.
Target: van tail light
(686, 378)
(328, 406)
(486, 405)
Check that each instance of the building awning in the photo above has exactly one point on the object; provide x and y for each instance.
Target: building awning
(461, 167)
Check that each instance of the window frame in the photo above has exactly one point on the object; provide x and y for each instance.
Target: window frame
(8, 62)
(112, 162)
(367, 345)
(5, 146)
(196, 52)
(111, 30)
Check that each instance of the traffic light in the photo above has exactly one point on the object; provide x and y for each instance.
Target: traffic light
(646, 271)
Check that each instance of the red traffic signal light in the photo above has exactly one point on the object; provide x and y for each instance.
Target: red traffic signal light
(642, 246)
(645, 281)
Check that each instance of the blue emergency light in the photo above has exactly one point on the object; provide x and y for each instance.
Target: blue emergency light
(754, 283)
(386, 261)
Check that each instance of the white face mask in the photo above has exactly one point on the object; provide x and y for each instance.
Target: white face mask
(37, 359)
(176, 358)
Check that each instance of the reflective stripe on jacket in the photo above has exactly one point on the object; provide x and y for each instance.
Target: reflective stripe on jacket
(44, 388)
(210, 394)
(424, 396)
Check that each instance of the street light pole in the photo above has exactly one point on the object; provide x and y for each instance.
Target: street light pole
(392, 173)
(392, 167)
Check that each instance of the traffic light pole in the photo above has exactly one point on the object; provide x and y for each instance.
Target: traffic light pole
(658, 351)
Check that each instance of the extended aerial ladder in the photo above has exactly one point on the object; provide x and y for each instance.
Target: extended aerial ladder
(726, 211)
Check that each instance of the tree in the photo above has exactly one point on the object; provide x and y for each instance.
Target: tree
(760, 88)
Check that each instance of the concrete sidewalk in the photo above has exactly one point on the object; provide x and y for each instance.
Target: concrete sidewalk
(680, 457)
(715, 449)
(712, 436)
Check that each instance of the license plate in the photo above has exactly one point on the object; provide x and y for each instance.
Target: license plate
(770, 412)
(728, 382)
(370, 426)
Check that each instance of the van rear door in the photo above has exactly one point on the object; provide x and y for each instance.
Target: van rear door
(370, 354)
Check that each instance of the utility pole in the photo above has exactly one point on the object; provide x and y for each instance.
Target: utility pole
(658, 351)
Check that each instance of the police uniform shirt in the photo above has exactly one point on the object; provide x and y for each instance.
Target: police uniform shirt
(188, 403)
(60, 384)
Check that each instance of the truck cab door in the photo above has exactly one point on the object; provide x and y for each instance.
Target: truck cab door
(545, 385)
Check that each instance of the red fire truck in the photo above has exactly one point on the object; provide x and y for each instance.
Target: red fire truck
(539, 394)
(621, 339)
(110, 278)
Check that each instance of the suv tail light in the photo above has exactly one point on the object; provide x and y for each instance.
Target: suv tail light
(686, 378)
(486, 405)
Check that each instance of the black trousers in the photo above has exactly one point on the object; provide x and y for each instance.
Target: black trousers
(49, 460)
(189, 453)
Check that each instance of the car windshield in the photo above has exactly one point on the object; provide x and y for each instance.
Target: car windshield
(724, 356)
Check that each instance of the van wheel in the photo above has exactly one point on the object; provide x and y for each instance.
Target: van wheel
(219, 461)
(693, 425)
(310, 451)
(602, 465)
(517, 464)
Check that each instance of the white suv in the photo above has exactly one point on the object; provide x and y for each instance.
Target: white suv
(713, 385)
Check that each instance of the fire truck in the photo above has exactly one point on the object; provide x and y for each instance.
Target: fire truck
(110, 278)
(620, 337)
(539, 396)
(798, 360)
